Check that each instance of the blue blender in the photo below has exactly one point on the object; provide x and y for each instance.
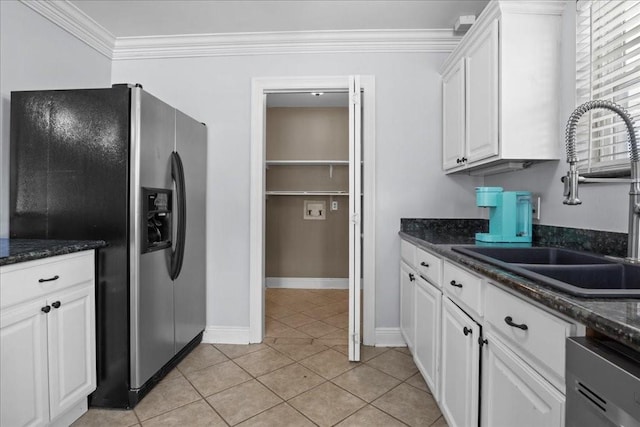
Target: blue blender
(509, 215)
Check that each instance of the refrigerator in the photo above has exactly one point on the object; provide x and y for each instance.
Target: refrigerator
(120, 165)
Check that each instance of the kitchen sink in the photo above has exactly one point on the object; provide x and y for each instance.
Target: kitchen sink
(577, 273)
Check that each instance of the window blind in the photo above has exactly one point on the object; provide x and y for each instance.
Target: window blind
(608, 68)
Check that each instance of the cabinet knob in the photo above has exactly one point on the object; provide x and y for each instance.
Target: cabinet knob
(467, 331)
(458, 160)
(56, 304)
(424, 264)
(46, 309)
(462, 160)
(412, 277)
(509, 321)
(454, 284)
(50, 279)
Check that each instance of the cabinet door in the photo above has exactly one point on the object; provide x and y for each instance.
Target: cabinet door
(23, 366)
(482, 96)
(453, 117)
(513, 394)
(427, 344)
(460, 366)
(72, 357)
(407, 303)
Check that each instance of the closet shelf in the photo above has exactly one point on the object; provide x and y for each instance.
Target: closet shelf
(307, 162)
(306, 193)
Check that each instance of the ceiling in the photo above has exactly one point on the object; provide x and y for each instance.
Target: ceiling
(136, 18)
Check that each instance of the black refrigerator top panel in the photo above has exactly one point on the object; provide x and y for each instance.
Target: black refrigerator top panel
(70, 180)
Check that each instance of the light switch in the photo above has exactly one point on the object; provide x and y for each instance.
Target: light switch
(315, 209)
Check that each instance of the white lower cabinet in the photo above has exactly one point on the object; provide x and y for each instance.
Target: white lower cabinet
(460, 366)
(513, 394)
(47, 343)
(427, 337)
(407, 304)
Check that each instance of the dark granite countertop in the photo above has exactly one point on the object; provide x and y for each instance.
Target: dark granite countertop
(13, 251)
(616, 318)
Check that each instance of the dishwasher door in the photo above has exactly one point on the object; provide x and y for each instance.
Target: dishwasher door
(603, 384)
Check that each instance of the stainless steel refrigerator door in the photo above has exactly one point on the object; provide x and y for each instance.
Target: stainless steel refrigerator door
(152, 320)
(190, 285)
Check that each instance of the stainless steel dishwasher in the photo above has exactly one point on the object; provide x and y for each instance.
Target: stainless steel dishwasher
(603, 383)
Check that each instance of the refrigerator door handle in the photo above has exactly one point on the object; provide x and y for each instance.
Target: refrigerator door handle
(177, 254)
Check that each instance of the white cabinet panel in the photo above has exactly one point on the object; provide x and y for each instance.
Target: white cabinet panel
(429, 266)
(513, 394)
(407, 303)
(453, 117)
(466, 289)
(460, 366)
(427, 342)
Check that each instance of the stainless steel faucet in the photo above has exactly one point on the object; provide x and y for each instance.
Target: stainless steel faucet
(572, 179)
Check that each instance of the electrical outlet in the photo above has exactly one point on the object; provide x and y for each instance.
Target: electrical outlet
(315, 209)
(334, 205)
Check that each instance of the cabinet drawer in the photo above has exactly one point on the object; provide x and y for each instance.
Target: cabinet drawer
(429, 266)
(534, 334)
(408, 252)
(463, 287)
(21, 282)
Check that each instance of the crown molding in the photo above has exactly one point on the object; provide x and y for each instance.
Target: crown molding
(71, 19)
(291, 42)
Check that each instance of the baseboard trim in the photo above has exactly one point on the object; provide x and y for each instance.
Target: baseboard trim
(307, 283)
(389, 337)
(226, 335)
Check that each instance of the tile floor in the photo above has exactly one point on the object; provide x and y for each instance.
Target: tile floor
(299, 376)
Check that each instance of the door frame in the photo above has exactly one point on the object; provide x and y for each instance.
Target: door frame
(260, 87)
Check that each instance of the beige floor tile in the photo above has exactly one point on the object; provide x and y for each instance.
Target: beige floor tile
(168, 394)
(236, 350)
(404, 350)
(338, 320)
(318, 329)
(394, 363)
(263, 361)
(297, 320)
(269, 340)
(323, 312)
(370, 417)
(418, 382)
(344, 349)
(327, 404)
(202, 356)
(329, 363)
(336, 335)
(196, 414)
(174, 373)
(440, 422)
(217, 378)
(282, 415)
(298, 351)
(410, 405)
(299, 341)
(291, 380)
(331, 342)
(278, 311)
(243, 401)
(106, 418)
(365, 382)
(369, 352)
(277, 329)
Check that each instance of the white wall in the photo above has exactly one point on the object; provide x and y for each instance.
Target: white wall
(604, 206)
(36, 54)
(409, 179)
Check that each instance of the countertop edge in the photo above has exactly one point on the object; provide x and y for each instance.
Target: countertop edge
(51, 248)
(556, 301)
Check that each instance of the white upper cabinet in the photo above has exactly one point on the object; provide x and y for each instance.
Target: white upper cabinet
(500, 88)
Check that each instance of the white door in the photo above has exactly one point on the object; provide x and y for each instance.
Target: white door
(24, 399)
(407, 303)
(427, 336)
(460, 367)
(453, 119)
(72, 354)
(355, 213)
(533, 401)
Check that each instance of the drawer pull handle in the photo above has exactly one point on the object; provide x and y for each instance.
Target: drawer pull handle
(50, 279)
(509, 321)
(46, 309)
(424, 264)
(56, 304)
(412, 277)
(467, 331)
(454, 284)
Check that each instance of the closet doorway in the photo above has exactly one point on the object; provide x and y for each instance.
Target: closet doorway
(311, 213)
